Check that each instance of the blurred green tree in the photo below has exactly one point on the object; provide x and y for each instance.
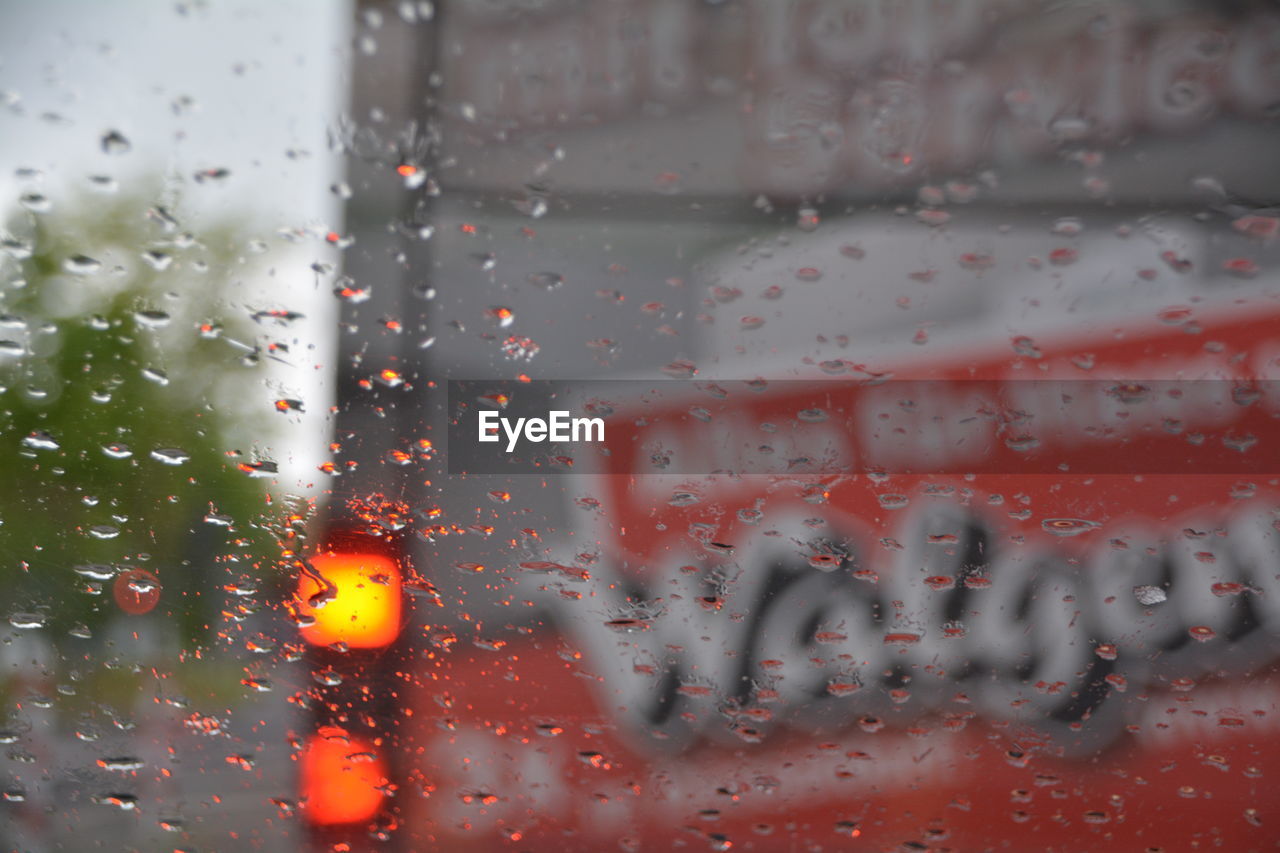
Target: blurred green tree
(129, 385)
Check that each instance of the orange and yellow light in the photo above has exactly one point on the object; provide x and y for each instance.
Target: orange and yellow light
(365, 608)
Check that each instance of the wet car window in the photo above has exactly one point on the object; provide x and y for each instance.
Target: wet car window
(640, 424)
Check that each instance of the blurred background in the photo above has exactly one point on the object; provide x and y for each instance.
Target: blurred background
(244, 245)
(170, 185)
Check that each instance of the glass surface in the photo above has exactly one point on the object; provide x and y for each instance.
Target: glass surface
(935, 499)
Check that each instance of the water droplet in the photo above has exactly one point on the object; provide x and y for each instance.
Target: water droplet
(1149, 595)
(534, 205)
(414, 176)
(156, 375)
(931, 195)
(826, 562)
(27, 621)
(40, 440)
(81, 265)
(1067, 226)
(264, 468)
(170, 455)
(1065, 128)
(680, 369)
(95, 571)
(841, 686)
(1023, 345)
(328, 676)
(1175, 262)
(519, 348)
(1241, 267)
(152, 319)
(500, 315)
(114, 142)
(157, 260)
(1264, 228)
(1202, 633)
(681, 498)
(35, 202)
(1240, 442)
(1174, 315)
(348, 291)
(17, 249)
(213, 174)
(124, 802)
(1184, 96)
(545, 280)
(1022, 444)
(902, 638)
(1068, 526)
(977, 261)
(627, 626)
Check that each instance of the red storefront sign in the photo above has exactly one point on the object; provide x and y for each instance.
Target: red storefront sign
(889, 661)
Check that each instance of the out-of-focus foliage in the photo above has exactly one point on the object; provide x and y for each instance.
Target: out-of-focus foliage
(126, 372)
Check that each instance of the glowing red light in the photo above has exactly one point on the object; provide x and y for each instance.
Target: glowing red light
(363, 610)
(342, 778)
